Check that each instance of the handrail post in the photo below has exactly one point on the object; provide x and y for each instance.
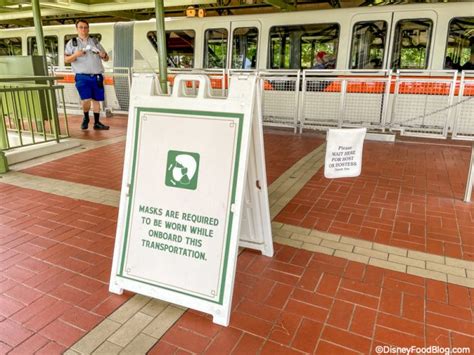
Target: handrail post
(53, 112)
(470, 177)
(3, 127)
(3, 163)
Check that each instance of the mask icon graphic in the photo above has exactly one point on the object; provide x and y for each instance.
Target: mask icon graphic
(182, 169)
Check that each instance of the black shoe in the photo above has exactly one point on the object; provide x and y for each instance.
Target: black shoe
(101, 126)
(85, 123)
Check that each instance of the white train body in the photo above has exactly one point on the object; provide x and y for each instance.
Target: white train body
(145, 56)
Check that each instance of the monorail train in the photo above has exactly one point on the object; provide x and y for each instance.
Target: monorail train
(415, 36)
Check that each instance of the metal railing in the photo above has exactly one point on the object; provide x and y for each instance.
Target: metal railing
(464, 107)
(470, 177)
(281, 97)
(422, 103)
(28, 112)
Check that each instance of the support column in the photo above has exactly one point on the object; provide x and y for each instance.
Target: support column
(3, 163)
(161, 45)
(39, 32)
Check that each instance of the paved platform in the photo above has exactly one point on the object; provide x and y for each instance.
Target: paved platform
(383, 259)
(408, 195)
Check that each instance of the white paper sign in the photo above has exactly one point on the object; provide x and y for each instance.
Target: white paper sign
(344, 152)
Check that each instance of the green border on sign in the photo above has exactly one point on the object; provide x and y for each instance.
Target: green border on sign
(209, 114)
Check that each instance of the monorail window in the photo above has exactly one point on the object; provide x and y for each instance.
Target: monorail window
(215, 48)
(412, 44)
(50, 46)
(460, 47)
(244, 48)
(297, 47)
(179, 47)
(368, 45)
(10, 46)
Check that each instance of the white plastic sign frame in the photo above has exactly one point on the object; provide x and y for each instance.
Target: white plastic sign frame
(140, 265)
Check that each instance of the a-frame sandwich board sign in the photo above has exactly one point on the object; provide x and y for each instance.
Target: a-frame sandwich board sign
(182, 198)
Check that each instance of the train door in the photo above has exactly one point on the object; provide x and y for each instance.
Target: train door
(412, 35)
(370, 35)
(123, 44)
(244, 45)
(123, 55)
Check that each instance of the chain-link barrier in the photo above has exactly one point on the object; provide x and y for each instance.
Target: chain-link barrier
(337, 98)
(422, 103)
(416, 103)
(464, 114)
(281, 98)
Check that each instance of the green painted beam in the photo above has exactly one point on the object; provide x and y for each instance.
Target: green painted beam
(53, 7)
(126, 15)
(14, 2)
(280, 4)
(161, 45)
(39, 32)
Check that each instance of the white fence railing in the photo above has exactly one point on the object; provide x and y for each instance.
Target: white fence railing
(464, 110)
(340, 99)
(422, 102)
(281, 98)
(416, 103)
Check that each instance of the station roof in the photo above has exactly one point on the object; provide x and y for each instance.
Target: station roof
(18, 13)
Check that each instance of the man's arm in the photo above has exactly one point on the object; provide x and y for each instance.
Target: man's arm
(71, 58)
(71, 53)
(102, 53)
(104, 56)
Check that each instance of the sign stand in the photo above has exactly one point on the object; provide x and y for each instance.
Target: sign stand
(182, 208)
(256, 229)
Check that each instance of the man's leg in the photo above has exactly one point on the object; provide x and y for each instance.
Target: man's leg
(84, 89)
(86, 106)
(96, 109)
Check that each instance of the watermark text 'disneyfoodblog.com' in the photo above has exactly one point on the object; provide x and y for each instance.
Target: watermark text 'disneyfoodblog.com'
(435, 349)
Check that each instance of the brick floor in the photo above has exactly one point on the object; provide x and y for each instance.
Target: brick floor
(55, 261)
(117, 123)
(283, 149)
(304, 302)
(408, 195)
(101, 167)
